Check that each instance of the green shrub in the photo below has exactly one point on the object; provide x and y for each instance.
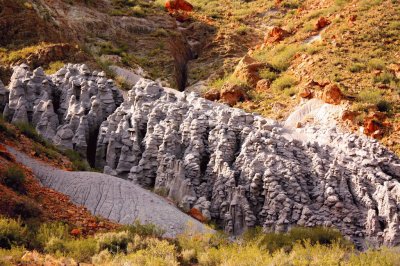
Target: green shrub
(138, 228)
(55, 246)
(48, 231)
(81, 250)
(138, 11)
(268, 74)
(113, 242)
(291, 4)
(242, 30)
(29, 131)
(385, 78)
(54, 67)
(357, 67)
(27, 209)
(384, 106)
(78, 163)
(8, 132)
(14, 178)
(281, 56)
(50, 153)
(321, 235)
(376, 64)
(12, 233)
(276, 241)
(284, 82)
(371, 96)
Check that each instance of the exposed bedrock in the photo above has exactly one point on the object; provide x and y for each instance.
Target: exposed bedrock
(243, 170)
(66, 108)
(236, 168)
(113, 198)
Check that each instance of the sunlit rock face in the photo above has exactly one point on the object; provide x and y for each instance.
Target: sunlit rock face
(243, 170)
(238, 169)
(66, 108)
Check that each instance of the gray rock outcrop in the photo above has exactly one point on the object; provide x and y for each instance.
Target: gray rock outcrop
(113, 198)
(243, 170)
(238, 169)
(66, 108)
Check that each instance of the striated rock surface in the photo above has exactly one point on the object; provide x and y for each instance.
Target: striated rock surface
(243, 170)
(66, 108)
(113, 198)
(238, 169)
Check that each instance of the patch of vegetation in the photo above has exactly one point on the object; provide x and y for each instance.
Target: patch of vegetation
(26, 209)
(12, 233)
(280, 56)
(229, 79)
(113, 242)
(14, 178)
(268, 74)
(372, 96)
(291, 4)
(7, 131)
(137, 8)
(54, 67)
(285, 81)
(29, 131)
(357, 67)
(300, 246)
(385, 78)
(137, 228)
(12, 56)
(78, 162)
(384, 106)
(376, 64)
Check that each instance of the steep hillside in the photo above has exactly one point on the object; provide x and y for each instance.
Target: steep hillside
(311, 44)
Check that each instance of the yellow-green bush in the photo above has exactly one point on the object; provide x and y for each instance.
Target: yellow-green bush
(12, 233)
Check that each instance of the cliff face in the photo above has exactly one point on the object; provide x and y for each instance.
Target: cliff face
(238, 169)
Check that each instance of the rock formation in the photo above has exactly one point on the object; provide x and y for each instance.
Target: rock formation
(243, 170)
(66, 108)
(239, 169)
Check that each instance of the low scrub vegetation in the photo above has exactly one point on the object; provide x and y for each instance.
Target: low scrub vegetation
(140, 244)
(14, 178)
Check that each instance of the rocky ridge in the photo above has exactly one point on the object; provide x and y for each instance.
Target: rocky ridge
(66, 108)
(237, 168)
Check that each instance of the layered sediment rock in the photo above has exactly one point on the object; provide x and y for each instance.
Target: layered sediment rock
(243, 170)
(66, 108)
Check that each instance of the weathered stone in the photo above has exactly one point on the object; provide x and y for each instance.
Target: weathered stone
(67, 107)
(242, 170)
(332, 94)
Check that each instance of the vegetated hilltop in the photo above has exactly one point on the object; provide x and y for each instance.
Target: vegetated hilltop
(341, 51)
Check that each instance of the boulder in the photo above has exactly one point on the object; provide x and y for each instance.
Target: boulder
(263, 85)
(231, 94)
(306, 93)
(212, 95)
(322, 23)
(332, 94)
(248, 69)
(276, 34)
